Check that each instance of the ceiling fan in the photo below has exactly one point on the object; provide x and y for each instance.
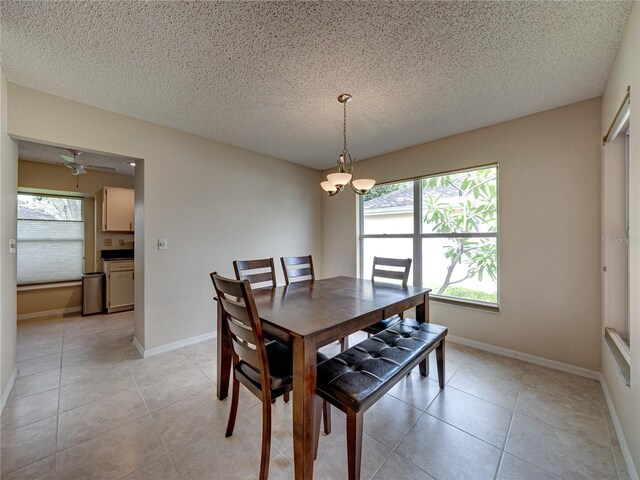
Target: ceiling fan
(71, 162)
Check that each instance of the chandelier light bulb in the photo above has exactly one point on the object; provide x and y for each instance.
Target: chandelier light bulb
(339, 179)
(363, 185)
(328, 187)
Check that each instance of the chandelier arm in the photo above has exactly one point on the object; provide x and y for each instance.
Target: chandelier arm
(358, 192)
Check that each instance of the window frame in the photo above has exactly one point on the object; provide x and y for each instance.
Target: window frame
(418, 236)
(72, 196)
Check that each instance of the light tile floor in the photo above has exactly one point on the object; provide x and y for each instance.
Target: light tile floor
(86, 406)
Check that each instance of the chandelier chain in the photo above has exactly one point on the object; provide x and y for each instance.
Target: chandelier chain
(344, 127)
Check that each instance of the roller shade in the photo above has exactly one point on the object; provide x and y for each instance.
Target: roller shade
(51, 245)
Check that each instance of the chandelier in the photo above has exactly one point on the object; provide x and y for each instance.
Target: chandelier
(336, 182)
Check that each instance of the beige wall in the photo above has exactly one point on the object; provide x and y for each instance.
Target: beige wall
(625, 72)
(212, 202)
(549, 214)
(55, 178)
(31, 302)
(8, 187)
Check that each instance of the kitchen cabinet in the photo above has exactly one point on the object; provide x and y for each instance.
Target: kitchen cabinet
(117, 209)
(120, 280)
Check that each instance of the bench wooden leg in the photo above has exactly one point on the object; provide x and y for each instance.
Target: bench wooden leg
(326, 413)
(286, 397)
(354, 443)
(316, 427)
(423, 366)
(440, 360)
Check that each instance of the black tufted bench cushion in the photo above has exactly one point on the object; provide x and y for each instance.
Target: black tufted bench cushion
(353, 377)
(356, 378)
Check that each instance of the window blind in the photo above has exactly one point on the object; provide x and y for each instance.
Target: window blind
(50, 239)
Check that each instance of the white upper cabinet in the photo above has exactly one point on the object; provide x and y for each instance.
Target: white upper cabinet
(117, 209)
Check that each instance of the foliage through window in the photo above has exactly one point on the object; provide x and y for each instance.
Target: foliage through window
(50, 239)
(447, 223)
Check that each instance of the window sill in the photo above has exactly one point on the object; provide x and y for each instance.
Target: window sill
(46, 286)
(489, 307)
(620, 352)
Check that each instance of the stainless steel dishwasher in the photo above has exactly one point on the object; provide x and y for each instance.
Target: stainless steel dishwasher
(92, 293)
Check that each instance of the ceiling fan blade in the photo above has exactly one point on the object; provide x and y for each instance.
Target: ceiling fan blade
(68, 158)
(100, 169)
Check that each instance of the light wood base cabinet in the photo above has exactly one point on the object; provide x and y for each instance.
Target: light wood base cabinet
(120, 285)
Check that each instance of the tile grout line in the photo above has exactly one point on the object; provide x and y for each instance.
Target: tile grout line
(405, 435)
(506, 438)
(55, 451)
(153, 422)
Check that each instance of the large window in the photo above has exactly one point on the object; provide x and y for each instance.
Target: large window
(448, 225)
(50, 239)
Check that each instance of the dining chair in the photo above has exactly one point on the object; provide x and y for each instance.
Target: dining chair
(391, 269)
(261, 273)
(298, 268)
(265, 368)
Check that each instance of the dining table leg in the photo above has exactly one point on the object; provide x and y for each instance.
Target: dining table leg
(422, 316)
(224, 355)
(304, 406)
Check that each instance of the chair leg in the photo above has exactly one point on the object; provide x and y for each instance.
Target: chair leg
(423, 366)
(326, 414)
(354, 443)
(234, 407)
(286, 397)
(266, 440)
(440, 360)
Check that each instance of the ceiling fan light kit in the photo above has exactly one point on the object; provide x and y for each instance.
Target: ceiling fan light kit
(336, 182)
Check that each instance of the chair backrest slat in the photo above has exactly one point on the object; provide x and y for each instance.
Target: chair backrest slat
(257, 277)
(393, 262)
(237, 310)
(241, 331)
(399, 271)
(247, 354)
(243, 323)
(396, 275)
(244, 270)
(298, 268)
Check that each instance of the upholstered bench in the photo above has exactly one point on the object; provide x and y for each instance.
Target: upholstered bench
(356, 378)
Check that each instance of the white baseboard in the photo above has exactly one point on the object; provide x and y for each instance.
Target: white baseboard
(149, 352)
(7, 388)
(631, 469)
(138, 346)
(545, 362)
(49, 313)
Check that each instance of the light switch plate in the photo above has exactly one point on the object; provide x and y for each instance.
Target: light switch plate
(162, 244)
(12, 245)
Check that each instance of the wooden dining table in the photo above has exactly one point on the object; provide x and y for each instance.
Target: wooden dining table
(308, 316)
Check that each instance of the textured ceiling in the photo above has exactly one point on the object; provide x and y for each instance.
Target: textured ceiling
(265, 75)
(37, 152)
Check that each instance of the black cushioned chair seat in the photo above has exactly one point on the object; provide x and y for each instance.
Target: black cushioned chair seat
(357, 374)
(382, 325)
(280, 359)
